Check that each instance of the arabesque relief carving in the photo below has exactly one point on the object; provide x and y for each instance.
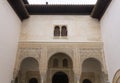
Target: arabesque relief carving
(77, 52)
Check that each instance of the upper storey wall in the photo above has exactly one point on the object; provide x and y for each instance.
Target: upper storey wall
(40, 28)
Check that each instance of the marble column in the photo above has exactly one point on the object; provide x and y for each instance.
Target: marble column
(43, 64)
(43, 77)
(77, 78)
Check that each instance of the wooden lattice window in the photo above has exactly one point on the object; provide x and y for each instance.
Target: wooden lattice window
(65, 63)
(63, 31)
(57, 31)
(55, 63)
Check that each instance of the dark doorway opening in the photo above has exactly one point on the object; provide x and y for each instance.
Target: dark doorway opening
(33, 80)
(60, 77)
(86, 81)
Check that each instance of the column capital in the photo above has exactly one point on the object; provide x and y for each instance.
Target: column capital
(77, 76)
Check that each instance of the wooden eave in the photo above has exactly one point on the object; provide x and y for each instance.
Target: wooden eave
(19, 8)
(23, 9)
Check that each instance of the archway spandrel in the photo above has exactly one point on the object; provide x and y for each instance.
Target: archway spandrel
(96, 53)
(86, 53)
(29, 52)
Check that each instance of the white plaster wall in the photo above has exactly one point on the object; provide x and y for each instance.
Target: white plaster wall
(81, 28)
(9, 33)
(110, 28)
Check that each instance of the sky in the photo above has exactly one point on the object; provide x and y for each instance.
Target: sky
(62, 1)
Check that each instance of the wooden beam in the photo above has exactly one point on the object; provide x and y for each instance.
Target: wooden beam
(19, 8)
(100, 8)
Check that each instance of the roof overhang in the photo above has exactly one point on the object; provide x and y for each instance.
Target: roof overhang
(59, 9)
(23, 9)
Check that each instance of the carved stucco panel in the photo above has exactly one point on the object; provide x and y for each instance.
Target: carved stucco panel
(95, 53)
(30, 52)
(25, 53)
(86, 53)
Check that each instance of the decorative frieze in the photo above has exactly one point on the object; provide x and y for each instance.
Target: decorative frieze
(86, 53)
(29, 52)
(90, 51)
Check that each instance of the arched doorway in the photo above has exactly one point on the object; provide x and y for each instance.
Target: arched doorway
(91, 69)
(33, 80)
(86, 81)
(60, 77)
(29, 68)
(60, 62)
